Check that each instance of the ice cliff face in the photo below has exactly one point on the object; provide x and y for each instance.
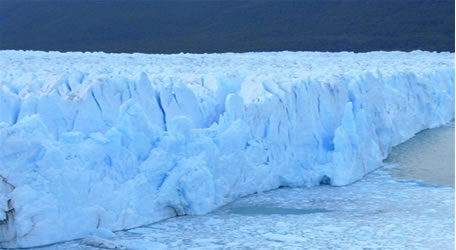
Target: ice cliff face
(96, 141)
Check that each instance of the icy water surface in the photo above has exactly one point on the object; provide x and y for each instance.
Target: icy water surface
(428, 156)
(268, 210)
(380, 211)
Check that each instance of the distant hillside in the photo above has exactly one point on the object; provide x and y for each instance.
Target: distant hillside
(227, 26)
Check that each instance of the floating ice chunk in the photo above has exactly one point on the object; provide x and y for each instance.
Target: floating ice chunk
(104, 233)
(94, 241)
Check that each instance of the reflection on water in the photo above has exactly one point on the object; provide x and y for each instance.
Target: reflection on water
(428, 156)
(265, 210)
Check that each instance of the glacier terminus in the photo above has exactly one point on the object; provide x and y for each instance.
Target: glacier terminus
(96, 141)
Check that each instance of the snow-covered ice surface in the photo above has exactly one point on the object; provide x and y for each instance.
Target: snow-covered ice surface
(91, 143)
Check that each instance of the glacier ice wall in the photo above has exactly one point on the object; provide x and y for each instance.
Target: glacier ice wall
(114, 141)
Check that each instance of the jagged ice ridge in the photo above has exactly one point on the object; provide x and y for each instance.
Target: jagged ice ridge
(94, 141)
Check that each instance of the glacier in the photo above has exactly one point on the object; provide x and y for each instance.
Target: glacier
(94, 142)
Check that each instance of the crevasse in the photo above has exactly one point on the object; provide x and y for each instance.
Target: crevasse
(116, 141)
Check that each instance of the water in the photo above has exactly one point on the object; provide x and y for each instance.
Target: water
(428, 156)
